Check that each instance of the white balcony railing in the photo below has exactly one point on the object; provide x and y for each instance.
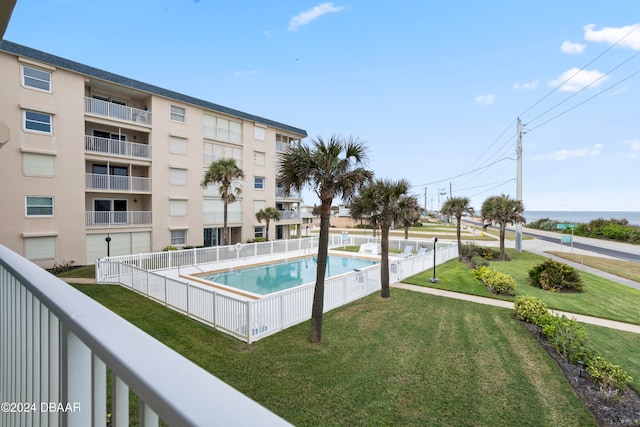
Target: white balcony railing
(289, 216)
(96, 144)
(116, 111)
(293, 195)
(134, 184)
(217, 218)
(117, 218)
(60, 348)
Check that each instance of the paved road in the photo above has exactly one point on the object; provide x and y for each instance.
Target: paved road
(622, 251)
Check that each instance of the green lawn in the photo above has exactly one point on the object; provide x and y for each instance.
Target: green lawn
(412, 360)
(602, 297)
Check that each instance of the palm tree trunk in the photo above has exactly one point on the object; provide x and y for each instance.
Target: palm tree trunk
(503, 229)
(458, 234)
(315, 334)
(225, 231)
(267, 228)
(384, 263)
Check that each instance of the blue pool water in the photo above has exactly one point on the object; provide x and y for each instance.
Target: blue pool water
(268, 278)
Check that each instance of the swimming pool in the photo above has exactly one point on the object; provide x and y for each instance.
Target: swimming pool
(269, 278)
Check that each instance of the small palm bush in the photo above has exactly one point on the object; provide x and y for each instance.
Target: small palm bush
(556, 277)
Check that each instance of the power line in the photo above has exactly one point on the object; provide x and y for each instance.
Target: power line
(462, 174)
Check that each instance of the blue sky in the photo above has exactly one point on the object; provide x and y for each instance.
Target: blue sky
(433, 87)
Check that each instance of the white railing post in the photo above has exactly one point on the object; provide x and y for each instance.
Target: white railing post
(76, 386)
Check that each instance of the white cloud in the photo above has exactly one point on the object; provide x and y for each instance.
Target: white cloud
(630, 33)
(525, 86)
(634, 145)
(572, 48)
(485, 99)
(569, 154)
(312, 14)
(577, 79)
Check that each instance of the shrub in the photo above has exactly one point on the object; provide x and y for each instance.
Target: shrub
(59, 268)
(169, 248)
(568, 338)
(477, 261)
(498, 282)
(607, 375)
(531, 309)
(556, 276)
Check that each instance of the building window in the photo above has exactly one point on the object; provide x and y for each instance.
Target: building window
(213, 152)
(259, 133)
(177, 145)
(258, 158)
(36, 164)
(40, 247)
(258, 231)
(222, 129)
(178, 114)
(40, 122)
(177, 207)
(177, 176)
(39, 206)
(35, 78)
(258, 183)
(178, 237)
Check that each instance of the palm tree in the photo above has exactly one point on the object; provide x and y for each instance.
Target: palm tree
(223, 172)
(383, 202)
(332, 169)
(502, 210)
(409, 213)
(268, 214)
(457, 207)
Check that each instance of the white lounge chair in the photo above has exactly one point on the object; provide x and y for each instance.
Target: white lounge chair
(421, 251)
(407, 251)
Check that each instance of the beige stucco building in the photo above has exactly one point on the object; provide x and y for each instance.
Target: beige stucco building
(92, 155)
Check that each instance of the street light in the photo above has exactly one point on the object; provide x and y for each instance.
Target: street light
(434, 279)
(108, 240)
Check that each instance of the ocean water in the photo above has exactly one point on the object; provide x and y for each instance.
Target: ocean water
(582, 217)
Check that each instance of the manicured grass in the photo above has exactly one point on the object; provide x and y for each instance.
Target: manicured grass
(87, 272)
(602, 297)
(414, 359)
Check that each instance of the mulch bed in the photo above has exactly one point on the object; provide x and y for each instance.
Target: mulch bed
(620, 410)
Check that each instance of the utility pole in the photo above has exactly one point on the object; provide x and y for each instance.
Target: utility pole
(426, 208)
(519, 185)
(450, 190)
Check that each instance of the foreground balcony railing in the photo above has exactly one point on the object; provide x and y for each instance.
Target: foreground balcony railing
(95, 144)
(57, 350)
(116, 111)
(135, 184)
(117, 218)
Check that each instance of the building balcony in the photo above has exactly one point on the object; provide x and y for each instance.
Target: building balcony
(112, 110)
(121, 184)
(98, 219)
(290, 217)
(282, 147)
(114, 147)
(293, 195)
(216, 218)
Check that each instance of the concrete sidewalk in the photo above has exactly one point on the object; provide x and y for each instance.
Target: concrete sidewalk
(508, 304)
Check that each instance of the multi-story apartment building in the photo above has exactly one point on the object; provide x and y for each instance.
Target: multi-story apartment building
(92, 155)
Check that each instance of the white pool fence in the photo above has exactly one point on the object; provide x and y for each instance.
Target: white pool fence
(252, 319)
